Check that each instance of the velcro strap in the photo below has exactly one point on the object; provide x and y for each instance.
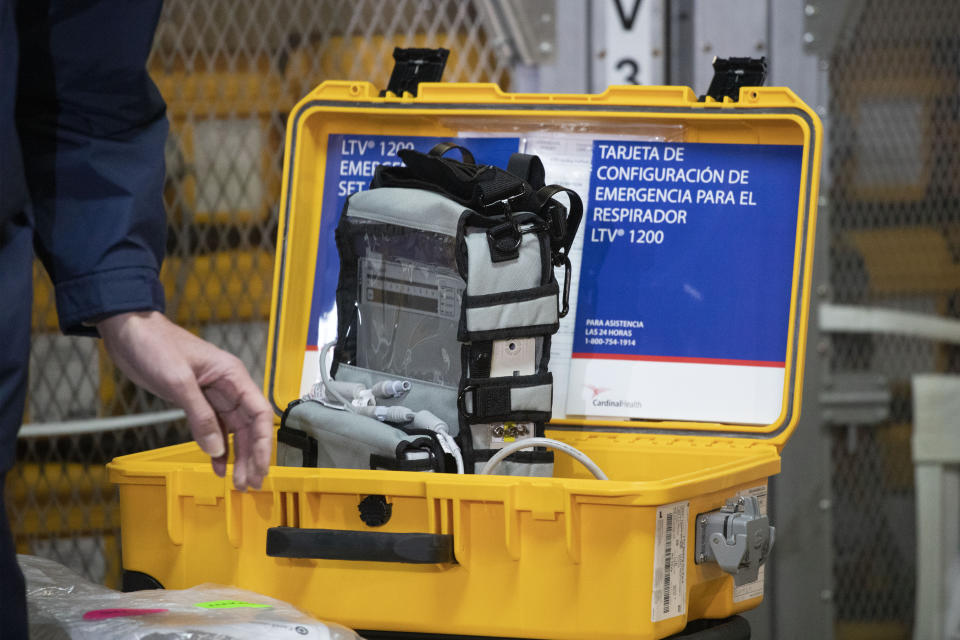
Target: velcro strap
(538, 312)
(507, 398)
(490, 401)
(538, 398)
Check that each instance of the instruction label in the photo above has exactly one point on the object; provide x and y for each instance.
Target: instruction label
(670, 562)
(753, 589)
(686, 281)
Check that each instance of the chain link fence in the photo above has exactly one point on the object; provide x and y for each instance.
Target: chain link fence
(230, 73)
(895, 243)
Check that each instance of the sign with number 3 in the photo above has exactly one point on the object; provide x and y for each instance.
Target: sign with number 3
(632, 49)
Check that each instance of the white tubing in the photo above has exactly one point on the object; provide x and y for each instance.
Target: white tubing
(98, 425)
(526, 443)
(426, 420)
(325, 376)
(454, 449)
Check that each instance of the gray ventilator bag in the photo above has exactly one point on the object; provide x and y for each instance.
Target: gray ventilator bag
(314, 435)
(447, 281)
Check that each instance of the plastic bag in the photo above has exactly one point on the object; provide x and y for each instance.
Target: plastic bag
(63, 605)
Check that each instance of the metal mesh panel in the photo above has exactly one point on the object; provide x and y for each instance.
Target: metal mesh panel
(230, 72)
(895, 243)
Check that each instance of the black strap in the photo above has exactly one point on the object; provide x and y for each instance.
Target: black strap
(528, 167)
(392, 464)
(563, 228)
(441, 148)
(301, 440)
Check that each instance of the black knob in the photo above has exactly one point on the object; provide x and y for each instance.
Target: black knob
(375, 511)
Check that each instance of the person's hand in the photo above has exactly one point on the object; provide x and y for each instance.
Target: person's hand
(211, 385)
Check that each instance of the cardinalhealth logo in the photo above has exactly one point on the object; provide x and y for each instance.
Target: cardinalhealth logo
(596, 401)
(596, 390)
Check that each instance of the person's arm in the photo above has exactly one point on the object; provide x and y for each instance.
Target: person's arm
(93, 127)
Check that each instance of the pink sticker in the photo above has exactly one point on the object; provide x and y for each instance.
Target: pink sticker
(104, 614)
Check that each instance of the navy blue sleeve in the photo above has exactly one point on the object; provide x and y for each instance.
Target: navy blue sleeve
(92, 127)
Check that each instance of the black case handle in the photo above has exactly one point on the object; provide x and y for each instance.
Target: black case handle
(363, 546)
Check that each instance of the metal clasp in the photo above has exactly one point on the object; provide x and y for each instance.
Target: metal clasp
(737, 537)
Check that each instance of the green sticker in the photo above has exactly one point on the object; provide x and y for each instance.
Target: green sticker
(232, 604)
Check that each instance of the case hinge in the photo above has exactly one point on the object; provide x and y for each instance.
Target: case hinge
(729, 74)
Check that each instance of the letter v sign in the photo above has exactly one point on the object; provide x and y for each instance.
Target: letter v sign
(627, 22)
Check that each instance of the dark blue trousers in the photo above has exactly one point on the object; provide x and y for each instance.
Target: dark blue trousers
(16, 263)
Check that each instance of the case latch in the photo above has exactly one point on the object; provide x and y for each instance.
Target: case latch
(413, 66)
(729, 74)
(737, 537)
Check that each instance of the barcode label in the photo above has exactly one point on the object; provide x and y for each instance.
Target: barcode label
(753, 589)
(670, 562)
(667, 563)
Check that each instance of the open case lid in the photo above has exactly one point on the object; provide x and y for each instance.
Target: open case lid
(691, 284)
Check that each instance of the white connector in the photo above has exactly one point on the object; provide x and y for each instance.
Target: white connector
(395, 415)
(426, 420)
(391, 388)
(357, 394)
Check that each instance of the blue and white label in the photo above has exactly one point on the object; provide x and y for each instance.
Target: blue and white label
(686, 281)
(351, 163)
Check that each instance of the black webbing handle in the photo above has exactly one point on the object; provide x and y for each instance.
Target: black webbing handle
(361, 546)
(441, 148)
(528, 167)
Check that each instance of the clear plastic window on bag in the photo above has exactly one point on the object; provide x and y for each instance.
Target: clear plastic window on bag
(408, 303)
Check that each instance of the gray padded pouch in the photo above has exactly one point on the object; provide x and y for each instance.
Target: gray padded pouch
(345, 440)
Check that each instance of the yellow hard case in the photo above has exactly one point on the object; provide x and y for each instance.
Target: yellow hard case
(565, 557)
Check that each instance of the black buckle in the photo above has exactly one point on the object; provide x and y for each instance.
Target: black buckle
(504, 205)
(505, 238)
(504, 241)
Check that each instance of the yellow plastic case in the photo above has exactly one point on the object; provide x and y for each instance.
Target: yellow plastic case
(564, 557)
